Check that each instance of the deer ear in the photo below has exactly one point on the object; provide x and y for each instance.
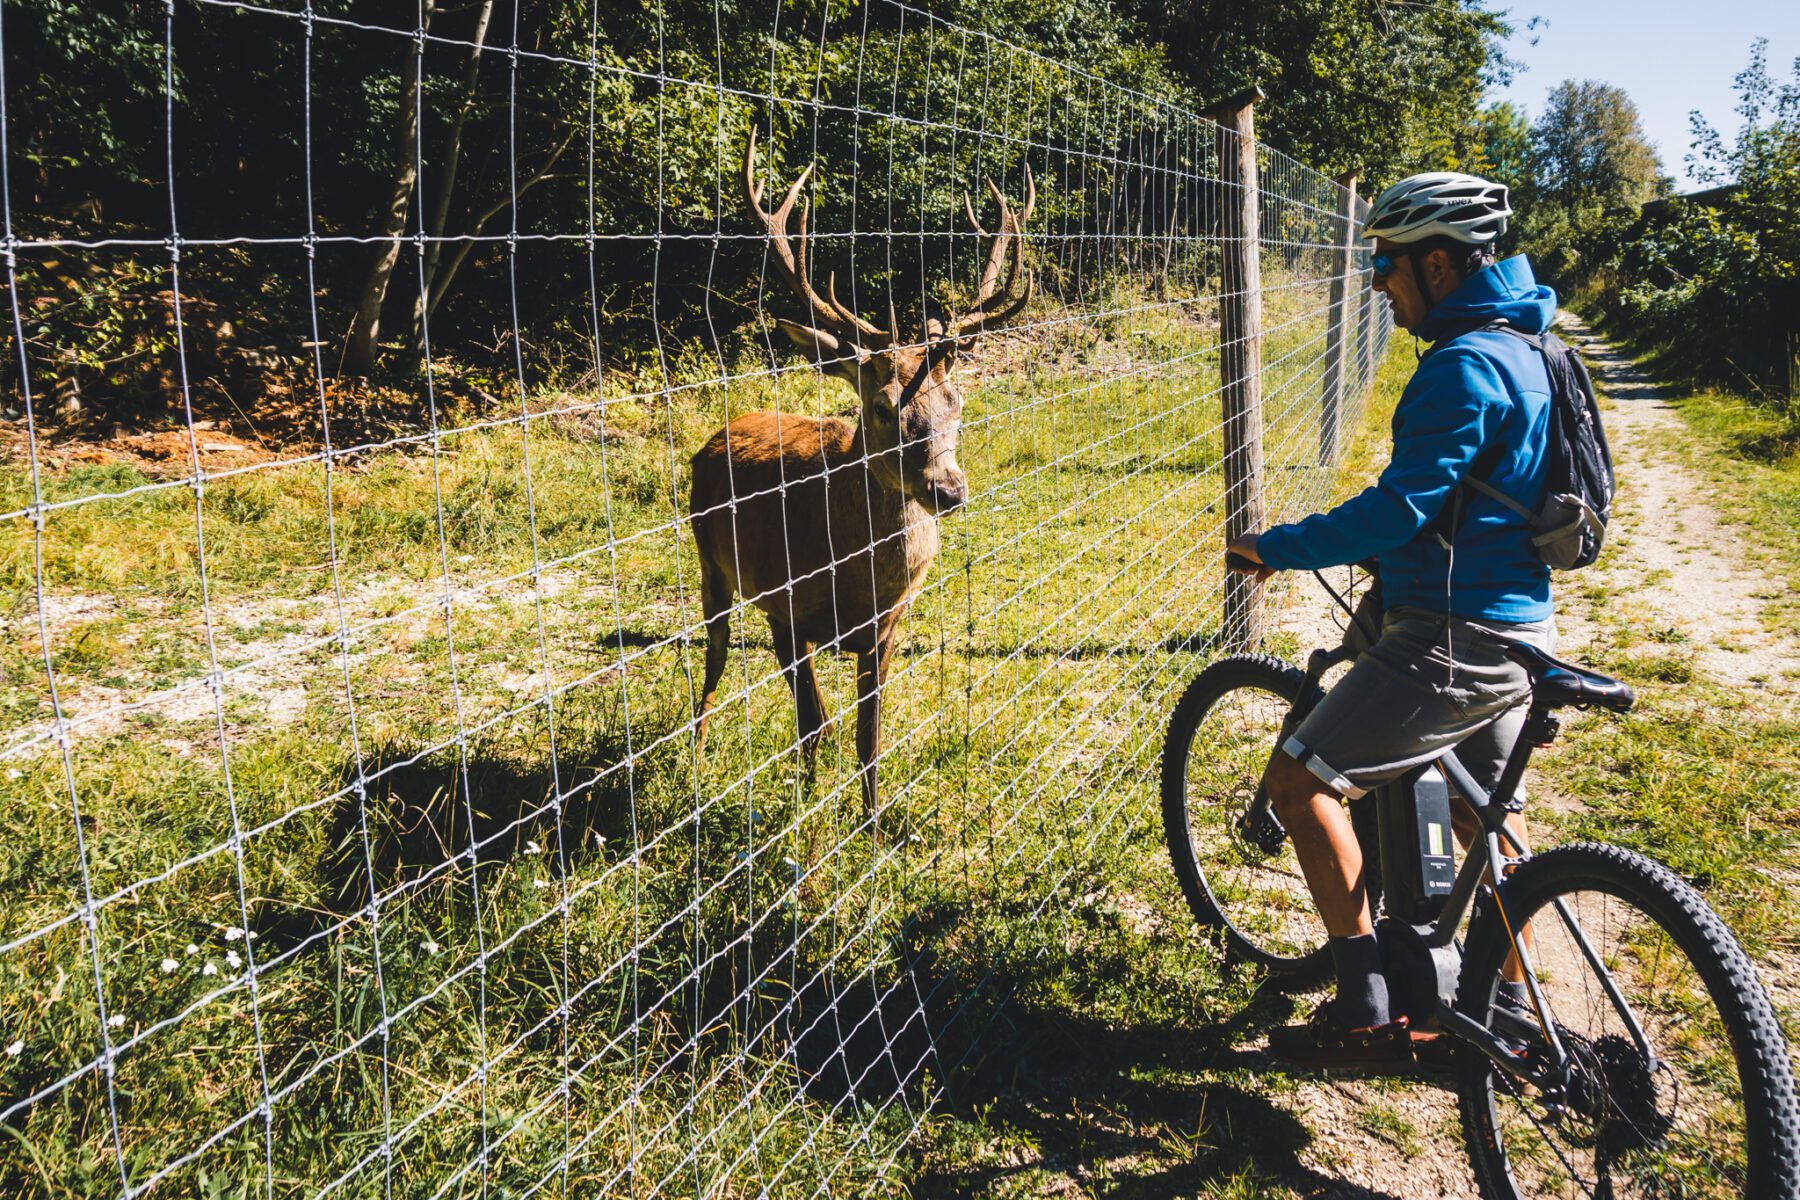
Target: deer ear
(827, 353)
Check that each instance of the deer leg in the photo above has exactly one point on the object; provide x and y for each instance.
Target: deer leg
(715, 602)
(809, 704)
(871, 674)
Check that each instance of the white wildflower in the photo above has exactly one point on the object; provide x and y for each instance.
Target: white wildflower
(232, 960)
(428, 946)
(14, 773)
(540, 883)
(192, 949)
(233, 933)
(211, 969)
(169, 965)
(14, 1049)
(116, 1021)
(533, 848)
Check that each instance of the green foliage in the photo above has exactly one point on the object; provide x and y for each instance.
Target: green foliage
(1501, 151)
(1378, 88)
(630, 119)
(84, 82)
(1580, 175)
(1589, 148)
(1716, 282)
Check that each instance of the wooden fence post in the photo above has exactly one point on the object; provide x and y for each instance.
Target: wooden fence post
(1240, 353)
(1339, 332)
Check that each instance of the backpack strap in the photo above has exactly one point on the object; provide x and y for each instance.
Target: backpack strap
(1478, 481)
(1450, 520)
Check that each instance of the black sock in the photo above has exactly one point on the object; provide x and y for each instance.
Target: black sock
(1362, 997)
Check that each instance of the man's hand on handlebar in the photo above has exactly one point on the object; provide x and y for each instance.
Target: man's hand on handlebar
(1241, 556)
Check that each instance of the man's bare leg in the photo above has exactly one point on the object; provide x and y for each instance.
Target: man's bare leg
(1325, 843)
(1332, 861)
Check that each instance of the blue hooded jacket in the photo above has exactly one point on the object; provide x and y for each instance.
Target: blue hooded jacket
(1478, 390)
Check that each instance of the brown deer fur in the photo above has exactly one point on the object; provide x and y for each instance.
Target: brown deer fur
(828, 526)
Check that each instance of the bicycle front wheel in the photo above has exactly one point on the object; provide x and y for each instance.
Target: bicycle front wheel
(1219, 740)
(1678, 1081)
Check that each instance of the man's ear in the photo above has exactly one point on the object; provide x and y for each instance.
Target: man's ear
(827, 353)
(1439, 271)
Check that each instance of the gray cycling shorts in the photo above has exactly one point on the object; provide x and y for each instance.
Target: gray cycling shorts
(1431, 683)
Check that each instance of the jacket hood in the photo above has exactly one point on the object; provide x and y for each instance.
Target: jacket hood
(1507, 291)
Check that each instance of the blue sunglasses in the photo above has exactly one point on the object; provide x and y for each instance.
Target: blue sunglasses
(1384, 264)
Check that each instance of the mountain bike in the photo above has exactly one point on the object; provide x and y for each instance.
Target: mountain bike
(1648, 1060)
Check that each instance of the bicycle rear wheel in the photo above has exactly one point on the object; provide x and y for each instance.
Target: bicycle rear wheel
(1219, 740)
(1710, 1112)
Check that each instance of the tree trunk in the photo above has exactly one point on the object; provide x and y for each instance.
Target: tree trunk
(446, 184)
(447, 273)
(359, 352)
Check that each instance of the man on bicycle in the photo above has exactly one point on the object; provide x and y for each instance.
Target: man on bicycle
(1456, 568)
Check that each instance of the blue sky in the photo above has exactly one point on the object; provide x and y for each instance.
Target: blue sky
(1671, 56)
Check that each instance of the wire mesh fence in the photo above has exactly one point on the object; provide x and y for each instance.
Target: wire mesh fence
(362, 837)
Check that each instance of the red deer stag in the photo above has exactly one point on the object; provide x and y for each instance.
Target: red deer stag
(827, 526)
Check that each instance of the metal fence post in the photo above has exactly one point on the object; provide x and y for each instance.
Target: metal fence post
(1240, 353)
(1338, 331)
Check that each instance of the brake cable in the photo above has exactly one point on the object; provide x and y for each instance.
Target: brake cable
(1372, 634)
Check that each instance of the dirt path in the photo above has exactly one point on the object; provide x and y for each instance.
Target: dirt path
(1679, 574)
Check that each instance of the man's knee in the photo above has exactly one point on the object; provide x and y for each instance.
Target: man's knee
(1292, 789)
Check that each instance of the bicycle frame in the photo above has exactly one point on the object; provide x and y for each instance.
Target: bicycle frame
(1438, 935)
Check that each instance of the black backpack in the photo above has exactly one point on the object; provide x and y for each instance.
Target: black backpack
(1569, 525)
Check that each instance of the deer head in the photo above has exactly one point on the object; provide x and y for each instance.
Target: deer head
(911, 412)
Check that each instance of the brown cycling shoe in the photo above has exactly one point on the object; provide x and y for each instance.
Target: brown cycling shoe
(1323, 1045)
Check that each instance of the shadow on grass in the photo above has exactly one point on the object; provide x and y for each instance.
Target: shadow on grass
(1092, 1093)
(1158, 1097)
(411, 820)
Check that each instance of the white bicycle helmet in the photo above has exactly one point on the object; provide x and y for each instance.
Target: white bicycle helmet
(1440, 203)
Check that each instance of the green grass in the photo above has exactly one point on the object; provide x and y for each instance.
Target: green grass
(723, 925)
(1082, 1032)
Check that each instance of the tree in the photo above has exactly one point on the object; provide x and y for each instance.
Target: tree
(1503, 150)
(1764, 161)
(1590, 148)
(1366, 85)
(1717, 279)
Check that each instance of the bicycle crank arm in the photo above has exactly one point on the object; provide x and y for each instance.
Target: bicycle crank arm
(1473, 1033)
(1260, 826)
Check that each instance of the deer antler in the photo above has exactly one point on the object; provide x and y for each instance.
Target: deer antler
(828, 311)
(1011, 233)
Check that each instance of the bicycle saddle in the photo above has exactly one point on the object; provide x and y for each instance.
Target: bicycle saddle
(1557, 684)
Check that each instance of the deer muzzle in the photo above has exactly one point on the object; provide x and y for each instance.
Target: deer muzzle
(947, 491)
